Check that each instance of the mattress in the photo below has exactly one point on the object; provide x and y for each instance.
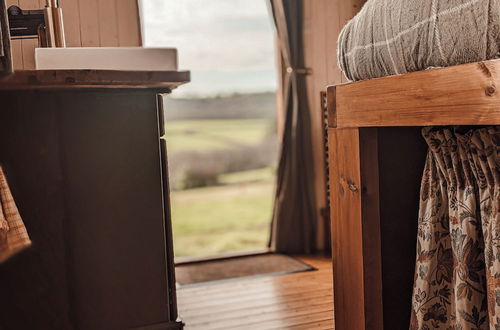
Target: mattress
(389, 37)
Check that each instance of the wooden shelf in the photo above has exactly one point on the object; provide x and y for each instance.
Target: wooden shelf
(459, 95)
(91, 79)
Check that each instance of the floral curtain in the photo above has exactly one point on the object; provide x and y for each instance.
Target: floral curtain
(457, 273)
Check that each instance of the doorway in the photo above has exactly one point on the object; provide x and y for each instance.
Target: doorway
(221, 127)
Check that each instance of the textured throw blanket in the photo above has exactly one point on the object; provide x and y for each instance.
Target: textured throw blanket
(13, 234)
(390, 37)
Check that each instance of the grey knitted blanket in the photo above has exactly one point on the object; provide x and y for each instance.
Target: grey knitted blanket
(389, 37)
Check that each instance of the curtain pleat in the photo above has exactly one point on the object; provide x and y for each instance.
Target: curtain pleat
(294, 217)
(457, 272)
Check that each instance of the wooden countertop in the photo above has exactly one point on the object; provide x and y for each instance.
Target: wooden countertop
(93, 79)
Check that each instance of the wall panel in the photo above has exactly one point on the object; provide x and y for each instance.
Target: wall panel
(29, 45)
(108, 23)
(87, 23)
(71, 14)
(16, 45)
(323, 20)
(129, 30)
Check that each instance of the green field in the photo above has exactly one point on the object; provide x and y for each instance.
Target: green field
(204, 135)
(213, 220)
(236, 214)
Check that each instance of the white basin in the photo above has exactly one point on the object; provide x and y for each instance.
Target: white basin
(106, 58)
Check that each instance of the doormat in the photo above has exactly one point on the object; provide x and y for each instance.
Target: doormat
(238, 268)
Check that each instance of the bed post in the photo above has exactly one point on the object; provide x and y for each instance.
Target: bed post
(355, 223)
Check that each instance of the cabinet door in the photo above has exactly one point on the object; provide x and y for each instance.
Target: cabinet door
(114, 201)
(168, 235)
(34, 284)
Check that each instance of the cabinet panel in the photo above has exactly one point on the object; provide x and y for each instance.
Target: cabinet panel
(111, 159)
(34, 283)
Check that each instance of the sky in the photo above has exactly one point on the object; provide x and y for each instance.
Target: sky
(228, 45)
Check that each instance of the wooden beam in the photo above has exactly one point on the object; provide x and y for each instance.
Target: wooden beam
(355, 220)
(458, 95)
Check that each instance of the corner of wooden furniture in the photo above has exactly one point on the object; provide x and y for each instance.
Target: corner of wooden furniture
(331, 105)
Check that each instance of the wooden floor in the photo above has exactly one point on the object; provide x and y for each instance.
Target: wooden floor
(294, 301)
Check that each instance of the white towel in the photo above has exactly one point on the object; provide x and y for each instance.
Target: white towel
(13, 234)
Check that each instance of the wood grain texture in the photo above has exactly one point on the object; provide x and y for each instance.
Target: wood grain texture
(16, 45)
(343, 11)
(108, 23)
(314, 32)
(348, 9)
(319, 15)
(333, 27)
(98, 259)
(75, 79)
(35, 283)
(119, 280)
(294, 301)
(89, 23)
(71, 15)
(323, 20)
(129, 29)
(459, 95)
(29, 45)
(355, 229)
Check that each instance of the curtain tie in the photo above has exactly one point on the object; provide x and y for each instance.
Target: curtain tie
(304, 71)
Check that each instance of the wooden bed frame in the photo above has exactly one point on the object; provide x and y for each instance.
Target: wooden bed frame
(376, 157)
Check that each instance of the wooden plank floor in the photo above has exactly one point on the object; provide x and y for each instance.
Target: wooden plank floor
(294, 301)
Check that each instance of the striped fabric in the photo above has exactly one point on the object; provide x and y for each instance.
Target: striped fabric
(390, 37)
(13, 234)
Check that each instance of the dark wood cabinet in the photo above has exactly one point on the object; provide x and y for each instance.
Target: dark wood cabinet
(87, 170)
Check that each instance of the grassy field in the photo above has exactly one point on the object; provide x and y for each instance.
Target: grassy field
(213, 220)
(204, 135)
(234, 215)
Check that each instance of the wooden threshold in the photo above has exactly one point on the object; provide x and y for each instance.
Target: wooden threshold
(465, 94)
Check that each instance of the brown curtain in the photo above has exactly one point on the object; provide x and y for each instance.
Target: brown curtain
(294, 218)
(457, 274)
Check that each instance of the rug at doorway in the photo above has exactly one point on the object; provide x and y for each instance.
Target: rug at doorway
(238, 268)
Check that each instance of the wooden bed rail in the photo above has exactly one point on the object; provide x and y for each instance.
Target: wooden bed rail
(375, 172)
(467, 94)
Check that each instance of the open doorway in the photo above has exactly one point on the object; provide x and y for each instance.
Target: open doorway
(220, 128)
